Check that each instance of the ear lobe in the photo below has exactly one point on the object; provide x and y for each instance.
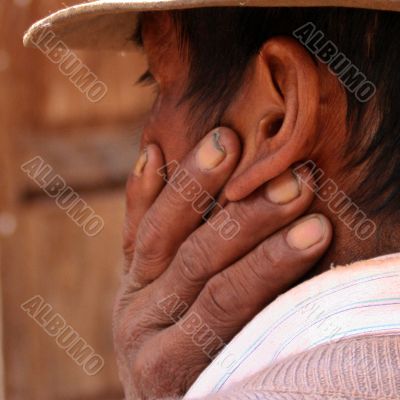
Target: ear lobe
(287, 133)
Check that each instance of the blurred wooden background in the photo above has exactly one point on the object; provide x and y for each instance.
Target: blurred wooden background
(92, 146)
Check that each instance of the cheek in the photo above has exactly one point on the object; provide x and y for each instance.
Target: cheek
(166, 127)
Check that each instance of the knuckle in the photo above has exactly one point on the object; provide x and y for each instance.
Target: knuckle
(220, 297)
(264, 263)
(265, 255)
(128, 248)
(128, 237)
(193, 260)
(256, 272)
(149, 232)
(122, 332)
(130, 331)
(244, 213)
(172, 198)
(160, 364)
(122, 323)
(129, 186)
(141, 370)
(148, 242)
(142, 366)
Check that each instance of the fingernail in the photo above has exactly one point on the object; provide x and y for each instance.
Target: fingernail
(211, 153)
(284, 188)
(140, 163)
(306, 234)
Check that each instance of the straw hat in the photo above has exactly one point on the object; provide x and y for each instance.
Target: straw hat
(109, 24)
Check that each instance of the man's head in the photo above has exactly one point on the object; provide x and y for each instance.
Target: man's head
(244, 68)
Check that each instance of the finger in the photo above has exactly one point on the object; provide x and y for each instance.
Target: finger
(207, 252)
(235, 295)
(231, 298)
(179, 208)
(143, 186)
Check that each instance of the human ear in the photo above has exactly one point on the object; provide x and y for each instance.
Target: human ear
(286, 130)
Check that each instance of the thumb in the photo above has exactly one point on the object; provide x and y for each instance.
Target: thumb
(144, 184)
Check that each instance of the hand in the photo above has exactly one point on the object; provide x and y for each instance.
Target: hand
(188, 287)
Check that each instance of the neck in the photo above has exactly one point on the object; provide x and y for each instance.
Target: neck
(349, 246)
(353, 240)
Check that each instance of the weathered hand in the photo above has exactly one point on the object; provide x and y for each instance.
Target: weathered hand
(189, 287)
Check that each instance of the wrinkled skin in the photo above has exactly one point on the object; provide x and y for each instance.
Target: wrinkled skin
(181, 274)
(224, 283)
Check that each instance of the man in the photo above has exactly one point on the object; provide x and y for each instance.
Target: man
(310, 98)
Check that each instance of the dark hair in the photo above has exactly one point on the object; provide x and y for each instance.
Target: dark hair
(221, 42)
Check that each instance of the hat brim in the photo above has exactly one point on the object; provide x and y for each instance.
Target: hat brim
(110, 24)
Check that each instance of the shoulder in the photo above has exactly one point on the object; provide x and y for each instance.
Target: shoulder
(358, 368)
